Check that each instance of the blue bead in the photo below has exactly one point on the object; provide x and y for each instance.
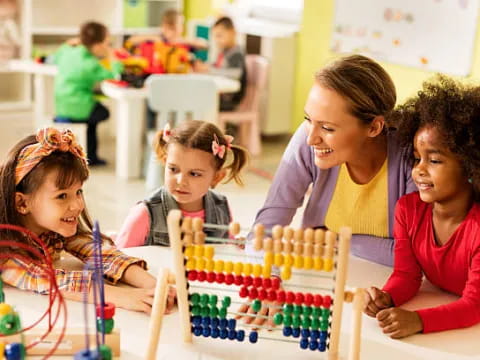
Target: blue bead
(197, 330)
(206, 332)
(232, 334)
(314, 334)
(240, 335)
(287, 331)
(223, 323)
(231, 324)
(305, 333)
(196, 320)
(322, 346)
(84, 355)
(296, 332)
(313, 345)
(14, 351)
(253, 337)
(206, 321)
(215, 333)
(223, 334)
(304, 343)
(215, 322)
(323, 335)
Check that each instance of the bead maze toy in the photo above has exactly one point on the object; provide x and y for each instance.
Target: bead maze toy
(307, 296)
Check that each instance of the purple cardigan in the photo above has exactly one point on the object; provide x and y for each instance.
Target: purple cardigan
(297, 170)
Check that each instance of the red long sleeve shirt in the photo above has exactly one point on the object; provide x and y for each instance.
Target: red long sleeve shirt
(453, 267)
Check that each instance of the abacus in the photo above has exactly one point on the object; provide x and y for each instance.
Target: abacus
(306, 314)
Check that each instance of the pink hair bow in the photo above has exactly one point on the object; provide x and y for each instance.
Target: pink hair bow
(219, 150)
(167, 132)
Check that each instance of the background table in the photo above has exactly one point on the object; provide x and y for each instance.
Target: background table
(450, 345)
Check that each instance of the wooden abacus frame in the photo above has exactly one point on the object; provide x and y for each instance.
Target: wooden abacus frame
(176, 226)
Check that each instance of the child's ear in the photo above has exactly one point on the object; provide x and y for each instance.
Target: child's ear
(219, 176)
(21, 203)
(376, 126)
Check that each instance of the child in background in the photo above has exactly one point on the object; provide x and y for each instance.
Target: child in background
(79, 72)
(197, 156)
(230, 61)
(437, 229)
(41, 189)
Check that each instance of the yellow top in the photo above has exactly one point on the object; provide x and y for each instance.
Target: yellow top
(362, 207)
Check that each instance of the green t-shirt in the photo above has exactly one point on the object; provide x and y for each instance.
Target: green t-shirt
(78, 73)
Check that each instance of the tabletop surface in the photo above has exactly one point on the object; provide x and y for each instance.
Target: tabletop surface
(454, 344)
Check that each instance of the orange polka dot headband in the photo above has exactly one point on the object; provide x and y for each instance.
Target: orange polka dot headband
(49, 139)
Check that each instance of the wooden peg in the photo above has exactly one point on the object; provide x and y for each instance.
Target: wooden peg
(330, 238)
(186, 225)
(197, 224)
(199, 237)
(277, 246)
(308, 235)
(288, 247)
(268, 244)
(308, 249)
(298, 248)
(187, 239)
(318, 250)
(298, 235)
(259, 230)
(234, 228)
(319, 236)
(277, 232)
(288, 233)
(258, 243)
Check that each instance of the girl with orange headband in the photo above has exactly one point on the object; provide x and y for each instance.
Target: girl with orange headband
(41, 189)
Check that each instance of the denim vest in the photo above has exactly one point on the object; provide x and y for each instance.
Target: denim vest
(161, 202)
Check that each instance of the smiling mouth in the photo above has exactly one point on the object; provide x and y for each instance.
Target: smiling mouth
(424, 185)
(182, 192)
(323, 151)
(70, 220)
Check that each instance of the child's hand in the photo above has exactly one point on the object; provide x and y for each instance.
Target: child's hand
(130, 299)
(376, 300)
(265, 311)
(171, 299)
(399, 323)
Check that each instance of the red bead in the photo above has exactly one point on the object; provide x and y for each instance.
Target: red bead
(253, 293)
(192, 275)
(272, 295)
(220, 278)
(262, 294)
(257, 282)
(108, 311)
(247, 280)
(290, 297)
(298, 298)
(243, 292)
(317, 300)
(275, 283)
(229, 279)
(281, 296)
(267, 283)
(308, 299)
(211, 277)
(327, 301)
(202, 275)
(238, 280)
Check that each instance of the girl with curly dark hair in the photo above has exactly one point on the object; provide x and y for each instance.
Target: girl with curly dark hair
(437, 229)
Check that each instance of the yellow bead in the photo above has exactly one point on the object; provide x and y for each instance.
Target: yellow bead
(318, 263)
(228, 267)
(307, 262)
(199, 250)
(189, 252)
(257, 270)
(201, 264)
(267, 271)
(2, 350)
(247, 269)
(237, 268)
(210, 265)
(190, 265)
(298, 261)
(5, 309)
(209, 252)
(288, 260)
(328, 264)
(268, 258)
(278, 259)
(286, 273)
(219, 266)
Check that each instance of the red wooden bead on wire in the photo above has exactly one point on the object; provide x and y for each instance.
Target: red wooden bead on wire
(229, 279)
(257, 282)
(211, 276)
(289, 297)
(317, 300)
(275, 283)
(108, 311)
(281, 296)
(267, 283)
(192, 275)
(272, 295)
(308, 299)
(327, 301)
(220, 278)
(202, 275)
(253, 293)
(299, 298)
(238, 280)
(262, 294)
(247, 280)
(243, 292)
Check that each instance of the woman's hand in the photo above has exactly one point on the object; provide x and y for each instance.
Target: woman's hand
(399, 323)
(376, 300)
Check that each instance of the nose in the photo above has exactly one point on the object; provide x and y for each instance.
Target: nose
(77, 204)
(419, 169)
(181, 179)
(314, 136)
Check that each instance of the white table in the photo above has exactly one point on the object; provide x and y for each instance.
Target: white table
(451, 345)
(130, 109)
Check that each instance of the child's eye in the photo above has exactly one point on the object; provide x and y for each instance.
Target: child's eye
(79, 191)
(172, 169)
(435, 161)
(62, 196)
(326, 128)
(306, 118)
(416, 160)
(195, 174)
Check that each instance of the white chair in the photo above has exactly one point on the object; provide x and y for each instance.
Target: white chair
(175, 98)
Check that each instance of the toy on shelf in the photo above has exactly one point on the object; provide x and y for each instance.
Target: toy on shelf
(307, 298)
(9, 33)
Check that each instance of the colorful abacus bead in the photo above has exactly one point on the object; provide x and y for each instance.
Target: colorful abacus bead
(234, 228)
(253, 337)
(247, 269)
(189, 251)
(14, 351)
(286, 273)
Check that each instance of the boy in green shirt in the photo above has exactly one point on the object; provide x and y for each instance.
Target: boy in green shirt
(79, 71)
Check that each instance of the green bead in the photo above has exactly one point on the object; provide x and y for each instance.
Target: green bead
(297, 310)
(315, 324)
(10, 324)
(223, 313)
(296, 321)
(307, 322)
(278, 318)
(307, 310)
(105, 352)
(205, 311)
(109, 324)
(256, 305)
(288, 309)
(213, 300)
(196, 310)
(317, 312)
(324, 325)
(226, 301)
(214, 311)
(325, 313)
(204, 298)
(195, 298)
(287, 320)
